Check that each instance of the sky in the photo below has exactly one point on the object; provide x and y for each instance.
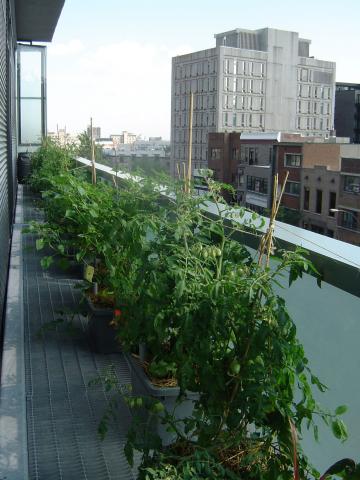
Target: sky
(111, 60)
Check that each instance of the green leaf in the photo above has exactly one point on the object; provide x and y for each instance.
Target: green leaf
(179, 289)
(46, 262)
(69, 213)
(129, 453)
(39, 243)
(339, 429)
(316, 433)
(81, 190)
(102, 428)
(341, 409)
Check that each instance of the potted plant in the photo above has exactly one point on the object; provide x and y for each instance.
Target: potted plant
(236, 346)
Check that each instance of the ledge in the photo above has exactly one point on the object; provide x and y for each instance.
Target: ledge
(13, 435)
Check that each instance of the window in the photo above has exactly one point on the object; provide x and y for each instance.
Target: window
(318, 207)
(304, 75)
(226, 84)
(350, 220)
(215, 153)
(317, 229)
(306, 198)
(251, 155)
(234, 120)
(235, 155)
(226, 119)
(226, 66)
(235, 67)
(332, 203)
(31, 93)
(292, 188)
(352, 184)
(292, 160)
(257, 184)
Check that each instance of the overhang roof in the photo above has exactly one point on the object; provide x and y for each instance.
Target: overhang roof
(36, 19)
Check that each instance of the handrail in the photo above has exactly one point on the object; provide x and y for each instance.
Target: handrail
(337, 261)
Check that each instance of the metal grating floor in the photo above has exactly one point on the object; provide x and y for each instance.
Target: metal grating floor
(63, 411)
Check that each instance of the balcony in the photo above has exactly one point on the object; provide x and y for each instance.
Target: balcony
(49, 413)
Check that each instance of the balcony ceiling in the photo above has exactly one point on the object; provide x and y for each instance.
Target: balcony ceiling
(36, 19)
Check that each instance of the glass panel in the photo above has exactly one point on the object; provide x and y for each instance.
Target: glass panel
(31, 120)
(30, 73)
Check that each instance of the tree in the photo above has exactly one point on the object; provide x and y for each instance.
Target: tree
(84, 149)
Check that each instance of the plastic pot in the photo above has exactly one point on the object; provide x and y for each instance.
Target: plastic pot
(142, 386)
(101, 334)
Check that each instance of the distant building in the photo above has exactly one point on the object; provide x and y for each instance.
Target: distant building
(149, 155)
(322, 193)
(348, 206)
(96, 132)
(253, 80)
(124, 138)
(63, 137)
(347, 111)
(104, 142)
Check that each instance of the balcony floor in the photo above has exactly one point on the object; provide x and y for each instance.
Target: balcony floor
(62, 410)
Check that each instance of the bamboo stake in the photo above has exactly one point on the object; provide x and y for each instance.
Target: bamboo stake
(178, 170)
(184, 173)
(93, 169)
(266, 243)
(188, 177)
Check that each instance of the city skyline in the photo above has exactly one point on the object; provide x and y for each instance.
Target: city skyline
(100, 66)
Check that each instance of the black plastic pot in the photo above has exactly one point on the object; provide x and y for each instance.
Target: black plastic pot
(102, 335)
(142, 386)
(23, 166)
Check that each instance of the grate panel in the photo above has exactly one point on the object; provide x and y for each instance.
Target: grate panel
(63, 411)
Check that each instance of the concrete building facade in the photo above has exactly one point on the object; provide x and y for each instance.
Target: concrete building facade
(260, 80)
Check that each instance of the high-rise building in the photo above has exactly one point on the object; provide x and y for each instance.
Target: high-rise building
(252, 80)
(96, 132)
(347, 111)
